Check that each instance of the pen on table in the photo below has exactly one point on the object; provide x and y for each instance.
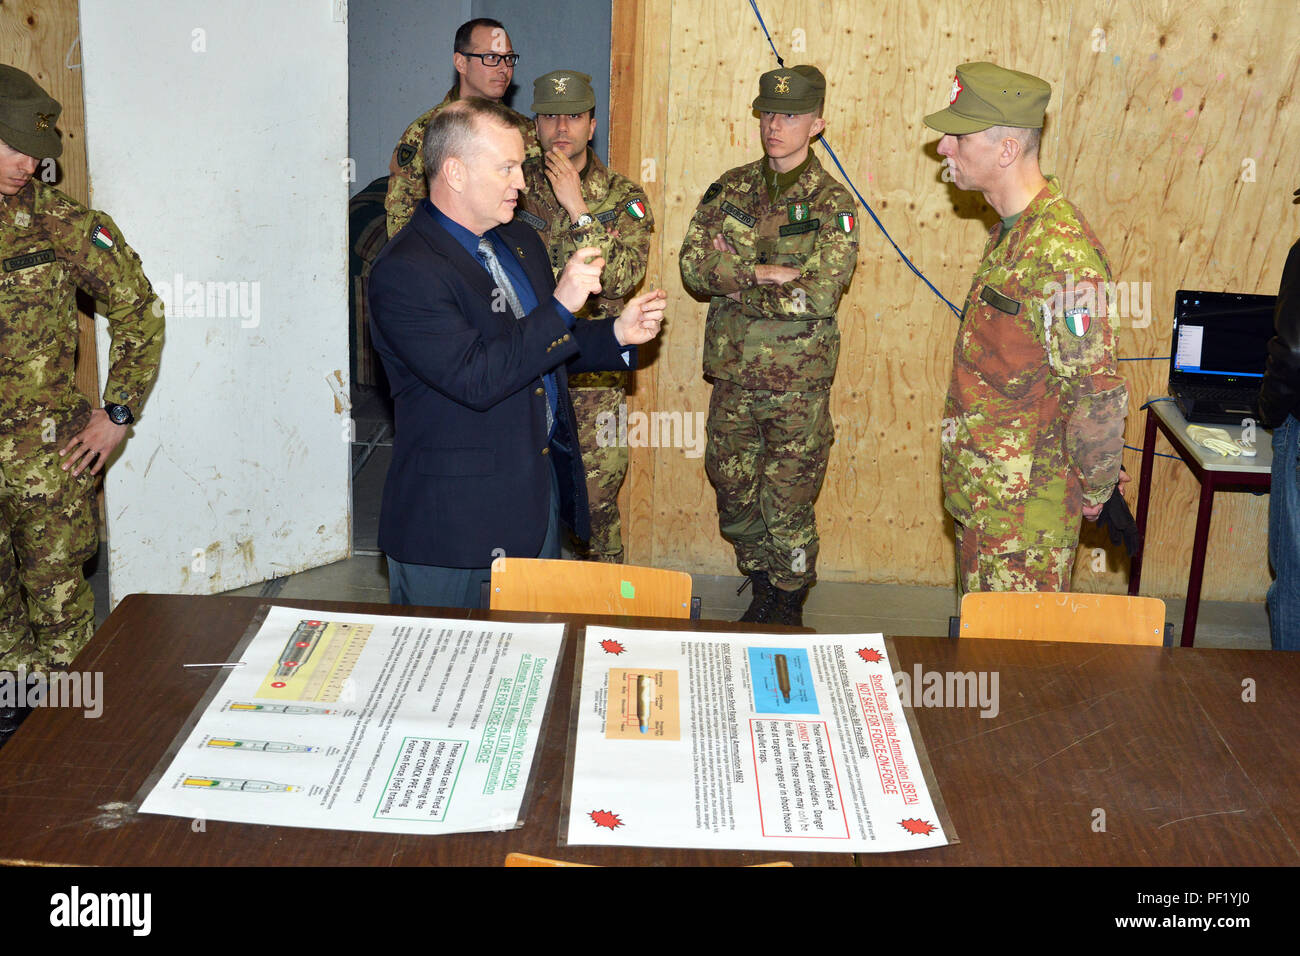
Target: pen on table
(218, 664)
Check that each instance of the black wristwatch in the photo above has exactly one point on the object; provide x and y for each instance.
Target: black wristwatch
(118, 414)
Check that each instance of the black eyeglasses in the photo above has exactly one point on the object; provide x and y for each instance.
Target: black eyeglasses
(494, 59)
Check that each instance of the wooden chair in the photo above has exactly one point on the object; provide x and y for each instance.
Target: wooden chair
(590, 587)
(1063, 616)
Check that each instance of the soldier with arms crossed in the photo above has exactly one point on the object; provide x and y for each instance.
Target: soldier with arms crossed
(1033, 426)
(773, 243)
(574, 201)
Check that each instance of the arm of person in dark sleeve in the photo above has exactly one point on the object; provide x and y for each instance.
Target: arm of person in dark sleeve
(1280, 391)
(418, 318)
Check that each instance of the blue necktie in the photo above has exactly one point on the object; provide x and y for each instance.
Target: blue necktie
(498, 273)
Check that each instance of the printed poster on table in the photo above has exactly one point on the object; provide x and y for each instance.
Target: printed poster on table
(365, 722)
(744, 741)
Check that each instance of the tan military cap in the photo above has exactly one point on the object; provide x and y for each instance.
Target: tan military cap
(562, 92)
(985, 94)
(28, 115)
(797, 89)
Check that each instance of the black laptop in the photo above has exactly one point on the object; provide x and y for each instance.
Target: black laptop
(1218, 355)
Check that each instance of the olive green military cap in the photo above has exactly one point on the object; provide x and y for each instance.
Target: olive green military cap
(28, 115)
(562, 92)
(985, 95)
(797, 89)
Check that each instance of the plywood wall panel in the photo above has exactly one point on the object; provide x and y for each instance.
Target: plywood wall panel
(1155, 106)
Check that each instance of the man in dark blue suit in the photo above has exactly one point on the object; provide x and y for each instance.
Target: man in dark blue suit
(477, 339)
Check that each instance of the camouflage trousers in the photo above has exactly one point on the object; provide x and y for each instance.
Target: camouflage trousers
(766, 456)
(606, 467)
(48, 530)
(981, 568)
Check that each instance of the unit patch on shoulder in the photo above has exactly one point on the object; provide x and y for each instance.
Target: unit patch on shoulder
(405, 153)
(101, 237)
(711, 194)
(738, 214)
(537, 222)
(845, 221)
(636, 208)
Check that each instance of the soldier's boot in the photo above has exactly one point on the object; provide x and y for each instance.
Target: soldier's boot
(11, 717)
(787, 606)
(760, 605)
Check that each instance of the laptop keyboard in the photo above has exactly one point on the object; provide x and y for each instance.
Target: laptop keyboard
(1208, 393)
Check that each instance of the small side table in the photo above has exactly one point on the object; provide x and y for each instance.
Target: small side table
(1214, 472)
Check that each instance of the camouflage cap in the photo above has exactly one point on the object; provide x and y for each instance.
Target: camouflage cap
(563, 92)
(986, 95)
(799, 89)
(28, 115)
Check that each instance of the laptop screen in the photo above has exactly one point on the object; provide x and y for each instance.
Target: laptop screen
(1221, 334)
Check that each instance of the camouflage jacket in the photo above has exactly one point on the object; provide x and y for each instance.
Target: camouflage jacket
(779, 337)
(1034, 421)
(52, 245)
(622, 227)
(406, 180)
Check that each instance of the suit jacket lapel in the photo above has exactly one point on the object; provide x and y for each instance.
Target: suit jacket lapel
(535, 265)
(457, 259)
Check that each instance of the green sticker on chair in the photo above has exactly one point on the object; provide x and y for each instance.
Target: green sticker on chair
(626, 590)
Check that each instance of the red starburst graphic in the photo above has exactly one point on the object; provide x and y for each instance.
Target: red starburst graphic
(612, 647)
(603, 818)
(917, 827)
(870, 655)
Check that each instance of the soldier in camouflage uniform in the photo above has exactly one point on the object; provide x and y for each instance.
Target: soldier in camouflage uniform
(774, 244)
(52, 444)
(573, 201)
(486, 62)
(1033, 426)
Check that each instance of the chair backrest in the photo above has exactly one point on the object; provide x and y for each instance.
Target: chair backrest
(1063, 616)
(588, 587)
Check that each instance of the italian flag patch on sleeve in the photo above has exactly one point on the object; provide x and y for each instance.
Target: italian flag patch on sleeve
(636, 209)
(845, 220)
(1077, 321)
(102, 238)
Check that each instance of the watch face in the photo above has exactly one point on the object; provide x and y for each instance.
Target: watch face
(119, 414)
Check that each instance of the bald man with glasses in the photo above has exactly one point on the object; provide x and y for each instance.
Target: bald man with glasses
(485, 64)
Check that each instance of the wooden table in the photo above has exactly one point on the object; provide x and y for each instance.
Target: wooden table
(1214, 472)
(1184, 771)
(69, 783)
